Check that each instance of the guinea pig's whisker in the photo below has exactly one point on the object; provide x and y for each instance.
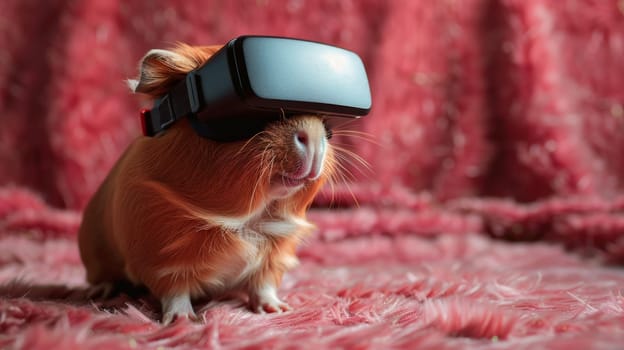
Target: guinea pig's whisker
(338, 174)
(352, 159)
(331, 179)
(357, 162)
(345, 181)
(249, 141)
(266, 167)
(343, 171)
(341, 124)
(332, 189)
(254, 191)
(360, 135)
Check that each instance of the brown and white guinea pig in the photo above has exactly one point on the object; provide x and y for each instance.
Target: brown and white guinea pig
(189, 217)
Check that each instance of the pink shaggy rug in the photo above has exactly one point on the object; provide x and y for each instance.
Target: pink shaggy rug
(492, 216)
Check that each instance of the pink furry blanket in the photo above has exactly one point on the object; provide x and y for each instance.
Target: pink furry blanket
(491, 217)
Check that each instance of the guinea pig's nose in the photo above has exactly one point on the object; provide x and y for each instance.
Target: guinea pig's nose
(310, 144)
(301, 140)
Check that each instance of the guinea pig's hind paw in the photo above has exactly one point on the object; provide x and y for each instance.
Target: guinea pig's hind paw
(101, 291)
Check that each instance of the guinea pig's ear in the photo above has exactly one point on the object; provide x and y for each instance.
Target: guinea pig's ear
(161, 69)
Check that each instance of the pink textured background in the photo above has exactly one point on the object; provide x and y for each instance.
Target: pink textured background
(491, 119)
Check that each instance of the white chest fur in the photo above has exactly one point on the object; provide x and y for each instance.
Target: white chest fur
(257, 235)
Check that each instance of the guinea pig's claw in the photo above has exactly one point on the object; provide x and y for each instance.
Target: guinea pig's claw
(265, 300)
(100, 291)
(279, 308)
(270, 307)
(170, 317)
(177, 306)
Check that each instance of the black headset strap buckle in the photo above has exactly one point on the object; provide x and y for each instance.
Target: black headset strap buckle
(180, 102)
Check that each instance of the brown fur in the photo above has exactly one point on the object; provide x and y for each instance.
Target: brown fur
(158, 207)
(161, 69)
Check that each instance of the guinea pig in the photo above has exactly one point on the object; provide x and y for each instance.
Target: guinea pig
(189, 217)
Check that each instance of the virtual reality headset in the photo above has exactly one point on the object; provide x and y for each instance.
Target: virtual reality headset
(254, 80)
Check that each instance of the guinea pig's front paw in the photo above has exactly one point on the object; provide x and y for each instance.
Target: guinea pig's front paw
(177, 306)
(265, 300)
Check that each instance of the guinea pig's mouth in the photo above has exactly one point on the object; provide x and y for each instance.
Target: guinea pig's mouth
(305, 173)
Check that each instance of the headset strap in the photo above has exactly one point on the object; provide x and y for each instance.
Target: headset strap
(181, 101)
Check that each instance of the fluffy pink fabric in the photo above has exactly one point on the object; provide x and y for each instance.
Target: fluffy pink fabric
(492, 119)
